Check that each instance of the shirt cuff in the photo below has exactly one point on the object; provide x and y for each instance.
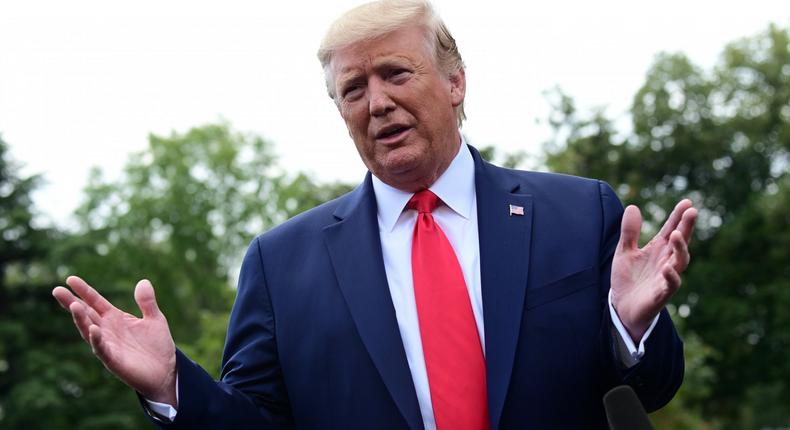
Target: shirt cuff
(162, 411)
(630, 353)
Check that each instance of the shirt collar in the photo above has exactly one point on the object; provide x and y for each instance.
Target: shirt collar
(455, 187)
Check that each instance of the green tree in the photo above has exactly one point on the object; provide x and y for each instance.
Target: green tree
(722, 138)
(181, 214)
(29, 339)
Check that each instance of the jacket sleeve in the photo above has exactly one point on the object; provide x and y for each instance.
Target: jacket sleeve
(251, 393)
(659, 373)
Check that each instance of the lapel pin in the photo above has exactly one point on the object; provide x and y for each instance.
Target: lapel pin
(516, 210)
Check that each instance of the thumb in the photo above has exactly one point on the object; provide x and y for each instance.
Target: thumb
(630, 227)
(146, 300)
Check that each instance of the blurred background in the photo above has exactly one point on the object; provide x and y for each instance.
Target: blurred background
(156, 139)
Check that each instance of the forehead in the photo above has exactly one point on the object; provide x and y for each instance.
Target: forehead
(406, 44)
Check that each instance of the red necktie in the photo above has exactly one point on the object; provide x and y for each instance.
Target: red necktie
(450, 342)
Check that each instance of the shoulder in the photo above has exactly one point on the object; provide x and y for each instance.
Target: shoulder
(306, 224)
(556, 185)
(558, 197)
(536, 183)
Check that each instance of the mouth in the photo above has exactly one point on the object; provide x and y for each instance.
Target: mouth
(393, 133)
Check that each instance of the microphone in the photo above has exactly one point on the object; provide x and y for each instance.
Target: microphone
(624, 410)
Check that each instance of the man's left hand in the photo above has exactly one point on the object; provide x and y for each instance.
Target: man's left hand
(643, 280)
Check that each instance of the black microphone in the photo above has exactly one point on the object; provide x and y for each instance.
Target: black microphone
(624, 410)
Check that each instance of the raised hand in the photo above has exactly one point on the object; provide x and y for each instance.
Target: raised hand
(139, 351)
(643, 280)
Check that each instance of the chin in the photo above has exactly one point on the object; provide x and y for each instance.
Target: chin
(403, 159)
(408, 166)
(412, 180)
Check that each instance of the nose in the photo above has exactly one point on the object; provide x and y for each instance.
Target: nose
(380, 102)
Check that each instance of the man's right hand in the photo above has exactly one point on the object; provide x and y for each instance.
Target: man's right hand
(139, 351)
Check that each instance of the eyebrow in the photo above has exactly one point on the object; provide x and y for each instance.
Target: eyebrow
(393, 60)
(347, 79)
(351, 74)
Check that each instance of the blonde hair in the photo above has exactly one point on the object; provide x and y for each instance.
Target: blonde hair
(379, 18)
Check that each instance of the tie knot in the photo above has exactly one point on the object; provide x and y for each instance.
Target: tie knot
(424, 201)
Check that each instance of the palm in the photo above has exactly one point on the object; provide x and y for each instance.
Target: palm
(643, 280)
(136, 347)
(139, 351)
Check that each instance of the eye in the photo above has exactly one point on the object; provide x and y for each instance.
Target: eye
(399, 76)
(351, 92)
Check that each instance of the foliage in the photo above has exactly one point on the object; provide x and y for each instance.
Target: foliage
(509, 160)
(181, 215)
(20, 240)
(28, 347)
(721, 138)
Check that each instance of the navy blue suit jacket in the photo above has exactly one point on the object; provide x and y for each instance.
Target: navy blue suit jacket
(313, 341)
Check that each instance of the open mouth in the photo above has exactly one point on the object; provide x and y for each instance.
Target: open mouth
(392, 132)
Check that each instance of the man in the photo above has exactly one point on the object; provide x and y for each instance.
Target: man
(484, 302)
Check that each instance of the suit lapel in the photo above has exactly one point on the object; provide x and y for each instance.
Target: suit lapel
(504, 264)
(355, 250)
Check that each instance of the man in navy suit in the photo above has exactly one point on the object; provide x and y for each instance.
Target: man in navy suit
(328, 330)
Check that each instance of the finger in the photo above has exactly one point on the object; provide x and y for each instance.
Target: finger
(680, 251)
(89, 295)
(146, 299)
(673, 281)
(99, 347)
(63, 296)
(630, 227)
(80, 316)
(674, 218)
(92, 314)
(687, 222)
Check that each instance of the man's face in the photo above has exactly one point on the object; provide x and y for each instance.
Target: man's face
(398, 107)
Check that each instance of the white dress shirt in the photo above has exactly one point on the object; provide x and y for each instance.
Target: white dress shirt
(458, 219)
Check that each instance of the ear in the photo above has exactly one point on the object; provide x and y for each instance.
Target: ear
(457, 87)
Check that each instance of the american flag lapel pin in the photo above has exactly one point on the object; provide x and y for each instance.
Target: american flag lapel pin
(516, 210)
